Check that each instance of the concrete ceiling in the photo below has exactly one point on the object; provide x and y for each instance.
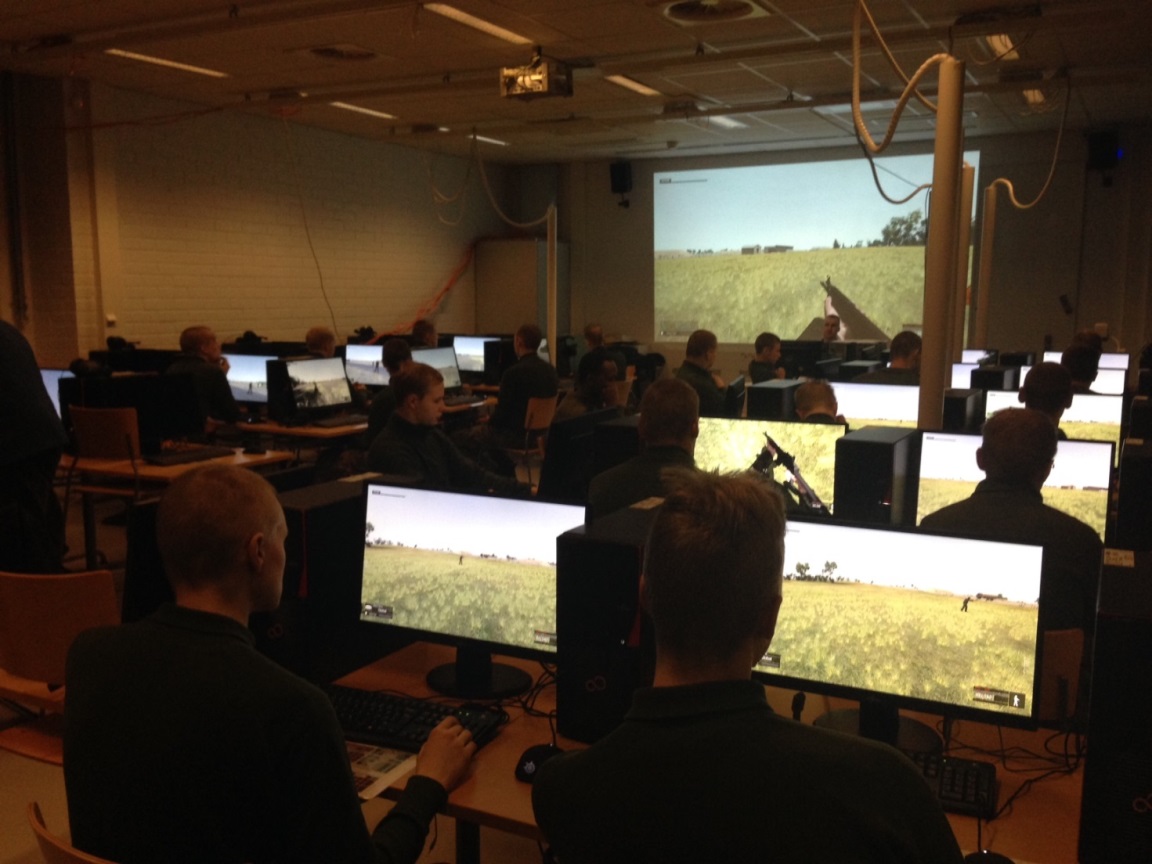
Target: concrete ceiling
(776, 75)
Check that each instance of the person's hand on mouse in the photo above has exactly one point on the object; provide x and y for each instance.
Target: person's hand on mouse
(446, 754)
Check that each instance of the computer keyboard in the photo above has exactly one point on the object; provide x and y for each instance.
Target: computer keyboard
(340, 420)
(963, 786)
(184, 455)
(462, 399)
(389, 720)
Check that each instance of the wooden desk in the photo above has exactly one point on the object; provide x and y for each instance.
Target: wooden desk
(1042, 827)
(314, 433)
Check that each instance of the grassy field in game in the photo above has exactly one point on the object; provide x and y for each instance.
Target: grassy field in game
(896, 640)
(490, 599)
(1088, 505)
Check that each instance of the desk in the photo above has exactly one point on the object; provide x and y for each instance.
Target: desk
(157, 476)
(1042, 827)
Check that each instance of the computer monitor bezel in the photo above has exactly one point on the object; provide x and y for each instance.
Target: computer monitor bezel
(237, 360)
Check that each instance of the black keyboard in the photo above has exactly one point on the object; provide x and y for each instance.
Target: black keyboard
(341, 420)
(963, 786)
(388, 720)
(184, 455)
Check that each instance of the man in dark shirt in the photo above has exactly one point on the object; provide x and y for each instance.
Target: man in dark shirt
(201, 358)
(529, 377)
(699, 356)
(701, 769)
(1047, 388)
(765, 367)
(668, 428)
(413, 446)
(904, 365)
(182, 743)
(397, 355)
(31, 440)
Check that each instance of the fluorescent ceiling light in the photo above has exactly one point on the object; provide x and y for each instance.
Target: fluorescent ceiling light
(359, 110)
(476, 137)
(725, 122)
(1001, 46)
(477, 23)
(171, 64)
(635, 86)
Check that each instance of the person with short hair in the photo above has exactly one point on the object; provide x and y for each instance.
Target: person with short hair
(412, 444)
(595, 387)
(202, 358)
(699, 357)
(815, 402)
(904, 362)
(701, 768)
(424, 334)
(529, 377)
(831, 331)
(320, 341)
(1083, 363)
(668, 428)
(1047, 388)
(593, 336)
(183, 743)
(766, 366)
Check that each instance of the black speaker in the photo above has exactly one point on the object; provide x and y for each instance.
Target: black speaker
(621, 174)
(1134, 500)
(604, 641)
(1116, 809)
(1103, 150)
(773, 400)
(876, 475)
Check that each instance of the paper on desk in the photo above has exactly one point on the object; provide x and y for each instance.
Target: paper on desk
(377, 768)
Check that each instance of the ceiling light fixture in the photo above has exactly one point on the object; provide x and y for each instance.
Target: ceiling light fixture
(1034, 98)
(630, 84)
(171, 64)
(725, 122)
(495, 141)
(1001, 46)
(348, 107)
(477, 23)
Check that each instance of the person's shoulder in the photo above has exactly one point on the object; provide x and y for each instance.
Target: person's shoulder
(1071, 527)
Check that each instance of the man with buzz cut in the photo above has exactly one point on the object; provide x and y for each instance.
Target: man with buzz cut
(202, 359)
(701, 769)
(182, 743)
(696, 372)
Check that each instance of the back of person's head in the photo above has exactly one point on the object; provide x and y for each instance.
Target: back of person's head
(700, 342)
(1047, 387)
(815, 397)
(593, 335)
(192, 339)
(424, 332)
(530, 336)
(1091, 339)
(1018, 446)
(320, 340)
(1082, 362)
(415, 379)
(205, 520)
(594, 372)
(713, 563)
(669, 412)
(905, 344)
(766, 341)
(397, 352)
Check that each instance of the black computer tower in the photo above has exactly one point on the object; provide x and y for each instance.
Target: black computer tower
(604, 642)
(773, 400)
(964, 410)
(1140, 417)
(1134, 501)
(1116, 808)
(614, 442)
(876, 475)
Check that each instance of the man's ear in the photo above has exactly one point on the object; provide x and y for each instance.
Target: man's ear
(255, 551)
(769, 617)
(980, 458)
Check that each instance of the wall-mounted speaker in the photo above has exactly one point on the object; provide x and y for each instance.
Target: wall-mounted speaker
(621, 174)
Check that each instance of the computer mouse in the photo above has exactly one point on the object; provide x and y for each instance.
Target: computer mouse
(531, 760)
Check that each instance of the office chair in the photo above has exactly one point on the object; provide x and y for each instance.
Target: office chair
(52, 848)
(537, 419)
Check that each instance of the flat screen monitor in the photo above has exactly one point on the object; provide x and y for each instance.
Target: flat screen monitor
(734, 445)
(974, 355)
(248, 377)
(567, 468)
(905, 619)
(364, 364)
(51, 378)
(167, 406)
(734, 398)
(470, 352)
(878, 404)
(443, 360)
(318, 384)
(1111, 360)
(475, 572)
(1078, 484)
(1109, 382)
(962, 375)
(1092, 417)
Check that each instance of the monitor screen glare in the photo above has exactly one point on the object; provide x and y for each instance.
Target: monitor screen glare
(470, 352)
(364, 364)
(248, 377)
(318, 383)
(943, 624)
(443, 360)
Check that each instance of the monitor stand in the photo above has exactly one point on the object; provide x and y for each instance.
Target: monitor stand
(881, 721)
(475, 676)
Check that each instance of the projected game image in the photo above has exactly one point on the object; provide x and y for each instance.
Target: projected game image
(878, 404)
(443, 360)
(470, 352)
(919, 617)
(248, 377)
(1078, 484)
(454, 565)
(733, 445)
(364, 364)
(782, 245)
(318, 383)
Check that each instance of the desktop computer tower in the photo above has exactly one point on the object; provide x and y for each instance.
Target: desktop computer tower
(604, 642)
(996, 378)
(1140, 417)
(855, 368)
(1116, 808)
(876, 475)
(773, 400)
(963, 410)
(1134, 502)
(615, 441)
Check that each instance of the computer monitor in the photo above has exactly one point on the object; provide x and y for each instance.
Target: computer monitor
(499, 356)
(800, 356)
(51, 378)
(305, 389)
(443, 360)
(248, 377)
(1078, 484)
(470, 352)
(962, 375)
(976, 355)
(1092, 417)
(167, 406)
(1108, 382)
(475, 572)
(364, 364)
(899, 618)
(878, 404)
(734, 445)
(567, 468)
